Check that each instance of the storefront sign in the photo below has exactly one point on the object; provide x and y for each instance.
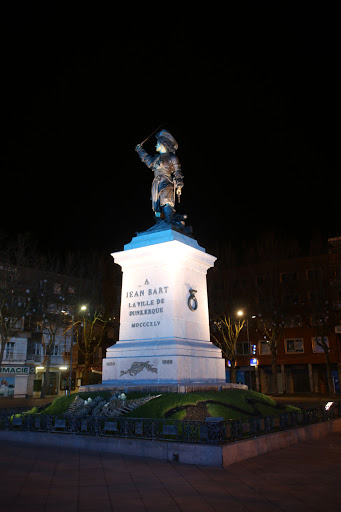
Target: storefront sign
(17, 370)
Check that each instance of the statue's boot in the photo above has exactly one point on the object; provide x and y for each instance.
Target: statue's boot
(168, 212)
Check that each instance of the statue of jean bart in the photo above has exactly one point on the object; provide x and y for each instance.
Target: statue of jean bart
(168, 178)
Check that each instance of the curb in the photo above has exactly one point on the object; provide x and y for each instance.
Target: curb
(198, 454)
(249, 448)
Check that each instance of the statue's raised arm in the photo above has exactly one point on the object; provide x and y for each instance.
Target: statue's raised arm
(168, 178)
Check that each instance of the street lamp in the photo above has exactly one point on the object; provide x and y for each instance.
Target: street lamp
(81, 308)
(240, 313)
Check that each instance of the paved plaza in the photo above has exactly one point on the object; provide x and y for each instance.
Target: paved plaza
(300, 478)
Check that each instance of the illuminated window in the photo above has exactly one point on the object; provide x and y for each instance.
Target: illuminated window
(317, 345)
(53, 351)
(37, 349)
(264, 348)
(294, 346)
(9, 354)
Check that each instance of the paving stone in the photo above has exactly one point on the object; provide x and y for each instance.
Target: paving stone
(301, 477)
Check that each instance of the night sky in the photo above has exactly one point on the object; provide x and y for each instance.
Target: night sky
(251, 96)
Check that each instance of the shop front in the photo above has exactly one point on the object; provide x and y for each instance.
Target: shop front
(16, 381)
(58, 384)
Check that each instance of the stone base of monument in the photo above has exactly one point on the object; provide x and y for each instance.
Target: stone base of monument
(164, 361)
(179, 387)
(167, 365)
(164, 337)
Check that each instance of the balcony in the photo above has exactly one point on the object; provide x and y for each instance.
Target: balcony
(11, 357)
(35, 358)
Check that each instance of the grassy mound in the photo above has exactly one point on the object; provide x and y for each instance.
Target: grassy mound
(229, 404)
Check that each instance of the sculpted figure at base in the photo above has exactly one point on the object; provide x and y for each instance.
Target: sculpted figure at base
(168, 178)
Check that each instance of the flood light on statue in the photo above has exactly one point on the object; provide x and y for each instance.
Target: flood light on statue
(164, 337)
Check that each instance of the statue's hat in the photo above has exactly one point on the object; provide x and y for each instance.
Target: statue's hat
(167, 140)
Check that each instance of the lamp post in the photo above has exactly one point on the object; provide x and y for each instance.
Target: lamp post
(240, 313)
(82, 308)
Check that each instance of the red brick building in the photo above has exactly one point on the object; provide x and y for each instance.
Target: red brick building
(305, 291)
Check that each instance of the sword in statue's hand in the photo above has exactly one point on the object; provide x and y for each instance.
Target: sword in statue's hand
(150, 135)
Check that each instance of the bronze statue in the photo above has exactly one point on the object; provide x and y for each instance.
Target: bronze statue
(168, 178)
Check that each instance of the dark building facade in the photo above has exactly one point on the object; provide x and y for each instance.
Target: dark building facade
(37, 310)
(304, 292)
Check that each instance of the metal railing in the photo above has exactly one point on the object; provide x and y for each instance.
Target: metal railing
(10, 357)
(205, 432)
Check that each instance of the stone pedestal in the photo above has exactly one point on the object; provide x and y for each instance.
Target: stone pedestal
(164, 331)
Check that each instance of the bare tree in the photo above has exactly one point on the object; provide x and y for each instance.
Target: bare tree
(321, 314)
(323, 328)
(51, 324)
(56, 295)
(229, 332)
(90, 330)
(273, 329)
(91, 323)
(15, 296)
(269, 291)
(14, 304)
